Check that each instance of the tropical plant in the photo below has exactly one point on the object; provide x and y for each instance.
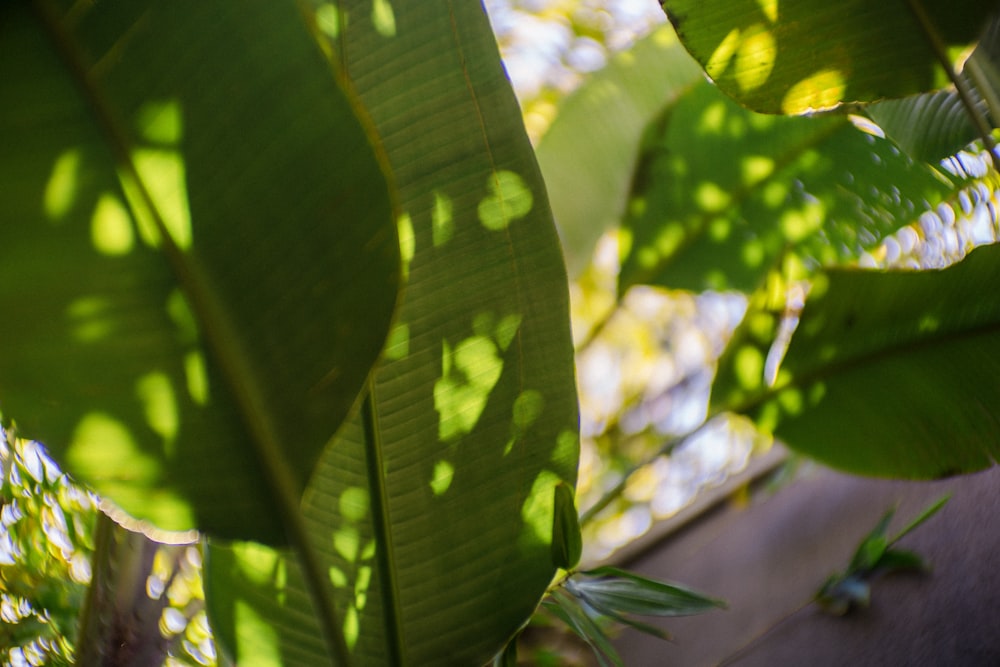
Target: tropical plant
(285, 274)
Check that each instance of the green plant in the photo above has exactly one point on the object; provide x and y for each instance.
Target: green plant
(285, 273)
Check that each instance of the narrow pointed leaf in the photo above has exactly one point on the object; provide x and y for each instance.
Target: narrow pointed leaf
(190, 203)
(795, 56)
(723, 195)
(433, 509)
(917, 521)
(869, 345)
(627, 592)
(588, 154)
(568, 610)
(567, 542)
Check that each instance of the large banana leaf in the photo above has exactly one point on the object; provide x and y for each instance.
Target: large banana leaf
(589, 152)
(433, 510)
(792, 56)
(888, 373)
(932, 126)
(722, 195)
(189, 208)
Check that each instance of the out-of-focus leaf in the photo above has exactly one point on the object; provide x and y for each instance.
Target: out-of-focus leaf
(839, 594)
(928, 512)
(895, 560)
(567, 542)
(432, 511)
(630, 593)
(723, 195)
(190, 206)
(874, 555)
(868, 347)
(588, 153)
(795, 56)
(873, 547)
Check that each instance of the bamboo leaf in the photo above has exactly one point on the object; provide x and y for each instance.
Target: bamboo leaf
(627, 592)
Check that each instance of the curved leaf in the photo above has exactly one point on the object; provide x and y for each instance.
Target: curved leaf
(793, 56)
(902, 363)
(182, 243)
(723, 194)
(588, 153)
(433, 510)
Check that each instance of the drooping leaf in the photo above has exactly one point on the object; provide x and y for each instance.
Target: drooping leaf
(867, 351)
(433, 510)
(629, 593)
(567, 609)
(190, 205)
(723, 195)
(793, 56)
(588, 154)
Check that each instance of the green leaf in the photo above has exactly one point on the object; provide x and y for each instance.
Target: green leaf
(567, 542)
(723, 195)
(933, 126)
(569, 611)
(928, 512)
(796, 56)
(432, 512)
(628, 593)
(183, 238)
(588, 153)
(896, 560)
(507, 657)
(869, 345)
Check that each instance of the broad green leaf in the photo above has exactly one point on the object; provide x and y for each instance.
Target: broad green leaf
(794, 56)
(932, 126)
(200, 263)
(629, 593)
(588, 153)
(433, 510)
(567, 544)
(868, 351)
(723, 195)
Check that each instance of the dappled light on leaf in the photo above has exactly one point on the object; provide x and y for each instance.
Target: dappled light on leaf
(794, 56)
(509, 200)
(793, 194)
